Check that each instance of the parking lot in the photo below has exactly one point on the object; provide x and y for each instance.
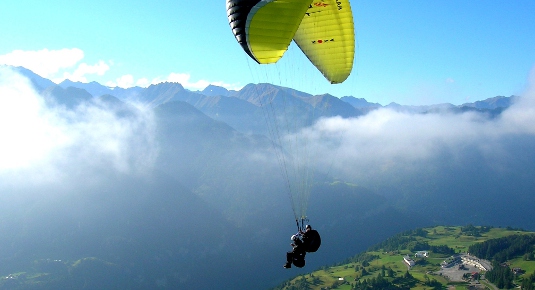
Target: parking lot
(454, 274)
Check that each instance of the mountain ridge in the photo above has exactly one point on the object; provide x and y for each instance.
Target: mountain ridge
(164, 92)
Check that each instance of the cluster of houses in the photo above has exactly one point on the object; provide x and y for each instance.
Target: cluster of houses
(451, 261)
(474, 261)
(420, 254)
(465, 259)
(407, 259)
(462, 260)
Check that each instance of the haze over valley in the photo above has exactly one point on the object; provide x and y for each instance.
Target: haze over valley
(182, 189)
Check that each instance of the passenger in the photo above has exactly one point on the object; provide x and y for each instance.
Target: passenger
(297, 255)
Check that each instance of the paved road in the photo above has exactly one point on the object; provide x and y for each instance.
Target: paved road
(488, 284)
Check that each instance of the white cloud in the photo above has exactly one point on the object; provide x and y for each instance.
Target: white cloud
(182, 78)
(45, 63)
(236, 87)
(62, 64)
(143, 82)
(44, 143)
(185, 80)
(79, 75)
(386, 144)
(27, 130)
(127, 81)
(521, 116)
(56, 65)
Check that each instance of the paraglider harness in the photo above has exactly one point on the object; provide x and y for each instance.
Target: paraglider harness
(311, 239)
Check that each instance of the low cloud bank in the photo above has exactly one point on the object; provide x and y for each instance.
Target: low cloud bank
(386, 146)
(48, 144)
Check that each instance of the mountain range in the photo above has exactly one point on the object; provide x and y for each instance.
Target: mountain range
(232, 106)
(213, 201)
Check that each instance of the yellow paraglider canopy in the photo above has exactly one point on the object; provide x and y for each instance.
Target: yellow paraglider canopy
(323, 30)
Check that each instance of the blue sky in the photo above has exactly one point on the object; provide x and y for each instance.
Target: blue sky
(409, 52)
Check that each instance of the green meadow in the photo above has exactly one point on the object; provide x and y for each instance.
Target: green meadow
(389, 265)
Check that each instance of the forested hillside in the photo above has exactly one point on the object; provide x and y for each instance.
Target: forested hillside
(384, 265)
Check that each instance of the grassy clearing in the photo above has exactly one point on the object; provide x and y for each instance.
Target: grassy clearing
(528, 266)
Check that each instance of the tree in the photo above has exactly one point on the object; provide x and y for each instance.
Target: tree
(407, 275)
(501, 276)
(391, 273)
(302, 284)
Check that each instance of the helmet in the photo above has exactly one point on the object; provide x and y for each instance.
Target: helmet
(308, 227)
(294, 237)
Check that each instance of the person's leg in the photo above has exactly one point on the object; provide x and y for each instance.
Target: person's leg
(289, 258)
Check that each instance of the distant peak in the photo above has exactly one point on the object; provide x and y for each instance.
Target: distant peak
(212, 90)
(166, 84)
